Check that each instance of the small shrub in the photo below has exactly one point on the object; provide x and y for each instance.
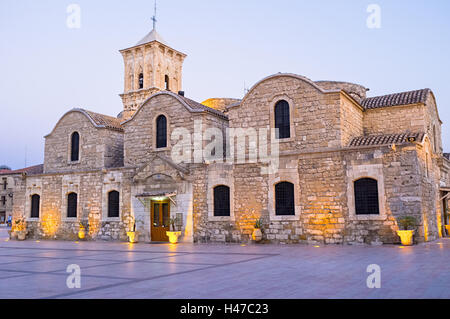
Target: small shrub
(406, 223)
(19, 224)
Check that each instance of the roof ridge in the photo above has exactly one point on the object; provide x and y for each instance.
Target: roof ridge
(385, 139)
(394, 99)
(103, 120)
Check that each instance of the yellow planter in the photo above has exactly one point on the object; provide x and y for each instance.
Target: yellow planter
(173, 236)
(81, 233)
(406, 237)
(257, 234)
(133, 236)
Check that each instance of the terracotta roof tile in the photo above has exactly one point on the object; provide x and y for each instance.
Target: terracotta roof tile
(385, 139)
(105, 121)
(31, 170)
(403, 98)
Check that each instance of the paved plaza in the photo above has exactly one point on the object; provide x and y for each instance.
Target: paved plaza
(37, 269)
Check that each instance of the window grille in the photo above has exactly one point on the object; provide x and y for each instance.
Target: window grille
(284, 199)
(366, 197)
(113, 204)
(221, 200)
(35, 199)
(161, 132)
(282, 119)
(75, 147)
(72, 205)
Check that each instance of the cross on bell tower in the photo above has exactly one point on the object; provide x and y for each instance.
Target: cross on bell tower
(151, 65)
(154, 18)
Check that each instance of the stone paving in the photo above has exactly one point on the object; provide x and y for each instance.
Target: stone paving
(33, 269)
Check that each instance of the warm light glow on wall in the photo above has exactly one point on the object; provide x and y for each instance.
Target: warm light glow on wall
(439, 223)
(94, 226)
(425, 226)
(49, 223)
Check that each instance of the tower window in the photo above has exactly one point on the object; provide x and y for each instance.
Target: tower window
(72, 199)
(282, 119)
(284, 199)
(161, 132)
(35, 199)
(166, 81)
(113, 204)
(141, 80)
(75, 147)
(366, 197)
(221, 200)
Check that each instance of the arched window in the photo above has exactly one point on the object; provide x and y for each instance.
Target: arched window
(72, 205)
(366, 197)
(282, 119)
(161, 132)
(166, 81)
(221, 200)
(141, 80)
(113, 204)
(284, 199)
(75, 147)
(35, 199)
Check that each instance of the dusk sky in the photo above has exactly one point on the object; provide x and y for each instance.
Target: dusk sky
(48, 68)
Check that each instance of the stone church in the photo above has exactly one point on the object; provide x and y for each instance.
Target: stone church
(348, 165)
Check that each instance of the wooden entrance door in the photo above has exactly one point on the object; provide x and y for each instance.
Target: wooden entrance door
(160, 220)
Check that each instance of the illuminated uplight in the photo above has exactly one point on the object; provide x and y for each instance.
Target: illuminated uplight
(316, 246)
(38, 241)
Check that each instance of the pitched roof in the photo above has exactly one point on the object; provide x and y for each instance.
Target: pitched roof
(105, 121)
(198, 106)
(385, 139)
(403, 98)
(31, 170)
(150, 37)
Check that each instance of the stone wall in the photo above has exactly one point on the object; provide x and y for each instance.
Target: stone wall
(314, 159)
(395, 119)
(140, 131)
(91, 189)
(98, 147)
(352, 116)
(7, 194)
(315, 116)
(113, 154)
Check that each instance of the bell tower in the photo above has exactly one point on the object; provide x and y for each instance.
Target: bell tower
(150, 66)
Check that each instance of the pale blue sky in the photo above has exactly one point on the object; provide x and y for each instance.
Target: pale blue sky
(47, 68)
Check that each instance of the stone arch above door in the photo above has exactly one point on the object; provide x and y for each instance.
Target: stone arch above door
(159, 164)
